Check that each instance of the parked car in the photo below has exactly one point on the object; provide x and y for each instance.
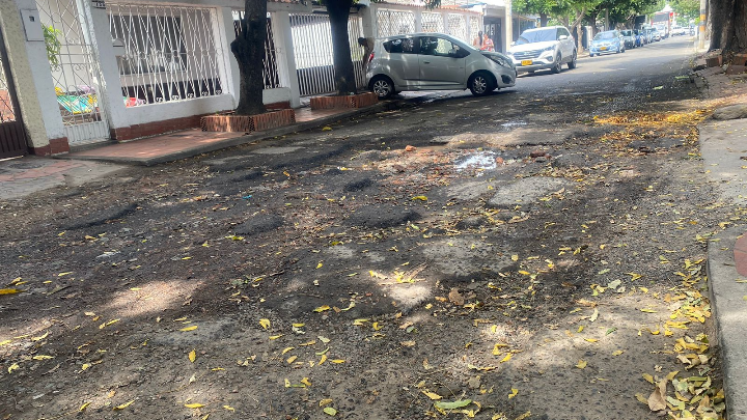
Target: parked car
(544, 48)
(433, 61)
(607, 42)
(629, 38)
(655, 35)
(663, 31)
(678, 30)
(648, 35)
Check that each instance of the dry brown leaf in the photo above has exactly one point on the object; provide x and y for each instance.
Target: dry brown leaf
(455, 297)
(657, 400)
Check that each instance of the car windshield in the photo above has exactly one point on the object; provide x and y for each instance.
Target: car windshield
(531, 37)
(627, 33)
(605, 35)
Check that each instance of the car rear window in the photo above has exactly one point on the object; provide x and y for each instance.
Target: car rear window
(400, 46)
(533, 36)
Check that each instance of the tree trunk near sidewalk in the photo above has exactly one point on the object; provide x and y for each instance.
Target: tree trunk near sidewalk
(729, 25)
(249, 50)
(544, 19)
(339, 12)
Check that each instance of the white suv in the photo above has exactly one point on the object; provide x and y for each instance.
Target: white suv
(433, 61)
(544, 48)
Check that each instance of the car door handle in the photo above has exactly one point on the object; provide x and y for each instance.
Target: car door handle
(426, 62)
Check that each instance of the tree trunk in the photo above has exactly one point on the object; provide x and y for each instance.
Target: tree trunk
(543, 19)
(249, 50)
(729, 25)
(339, 12)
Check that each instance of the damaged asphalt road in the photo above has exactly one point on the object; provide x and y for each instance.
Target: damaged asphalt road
(525, 258)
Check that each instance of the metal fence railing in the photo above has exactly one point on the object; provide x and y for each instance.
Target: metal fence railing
(312, 48)
(395, 22)
(432, 22)
(269, 62)
(171, 53)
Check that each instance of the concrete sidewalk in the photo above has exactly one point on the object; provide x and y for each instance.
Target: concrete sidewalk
(193, 142)
(723, 145)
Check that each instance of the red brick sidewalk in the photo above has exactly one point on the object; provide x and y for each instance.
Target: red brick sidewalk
(192, 142)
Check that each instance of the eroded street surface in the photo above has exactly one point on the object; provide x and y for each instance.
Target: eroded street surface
(534, 254)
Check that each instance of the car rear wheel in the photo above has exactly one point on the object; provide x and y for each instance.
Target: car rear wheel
(557, 67)
(572, 63)
(382, 86)
(481, 84)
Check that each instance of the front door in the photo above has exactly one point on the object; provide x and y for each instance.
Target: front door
(74, 67)
(439, 68)
(12, 131)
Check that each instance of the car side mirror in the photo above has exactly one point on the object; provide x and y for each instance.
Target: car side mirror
(458, 53)
(562, 37)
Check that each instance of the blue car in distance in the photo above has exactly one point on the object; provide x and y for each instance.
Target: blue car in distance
(607, 42)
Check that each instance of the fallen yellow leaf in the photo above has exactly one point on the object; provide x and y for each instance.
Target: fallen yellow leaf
(194, 405)
(13, 367)
(9, 291)
(432, 395)
(581, 364)
(123, 406)
(617, 352)
(325, 401)
(306, 381)
(322, 308)
(330, 411)
(591, 340)
(190, 328)
(507, 358)
(229, 408)
(337, 361)
(323, 359)
(42, 357)
(513, 393)
(648, 378)
(192, 356)
(265, 323)
(83, 407)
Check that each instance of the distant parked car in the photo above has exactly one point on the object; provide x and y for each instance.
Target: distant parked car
(647, 34)
(640, 38)
(655, 34)
(544, 48)
(607, 42)
(629, 38)
(433, 61)
(663, 31)
(678, 30)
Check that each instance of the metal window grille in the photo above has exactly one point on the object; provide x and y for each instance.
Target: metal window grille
(7, 114)
(171, 53)
(312, 48)
(395, 22)
(74, 70)
(474, 26)
(458, 27)
(432, 22)
(269, 63)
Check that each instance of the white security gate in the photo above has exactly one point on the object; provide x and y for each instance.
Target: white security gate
(75, 71)
(312, 47)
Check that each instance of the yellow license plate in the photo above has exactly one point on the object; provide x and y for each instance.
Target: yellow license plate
(526, 62)
(603, 48)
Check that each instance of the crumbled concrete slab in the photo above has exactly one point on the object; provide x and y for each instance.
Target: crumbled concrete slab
(732, 112)
(525, 191)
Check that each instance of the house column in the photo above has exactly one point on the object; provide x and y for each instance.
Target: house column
(418, 20)
(509, 25)
(230, 68)
(24, 42)
(99, 37)
(286, 60)
(368, 21)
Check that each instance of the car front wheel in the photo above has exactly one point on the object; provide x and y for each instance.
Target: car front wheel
(480, 84)
(382, 86)
(556, 68)
(572, 63)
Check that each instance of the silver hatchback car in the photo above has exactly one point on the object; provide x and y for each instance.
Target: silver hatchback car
(433, 61)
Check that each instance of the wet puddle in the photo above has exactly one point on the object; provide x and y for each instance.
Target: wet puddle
(511, 125)
(477, 161)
